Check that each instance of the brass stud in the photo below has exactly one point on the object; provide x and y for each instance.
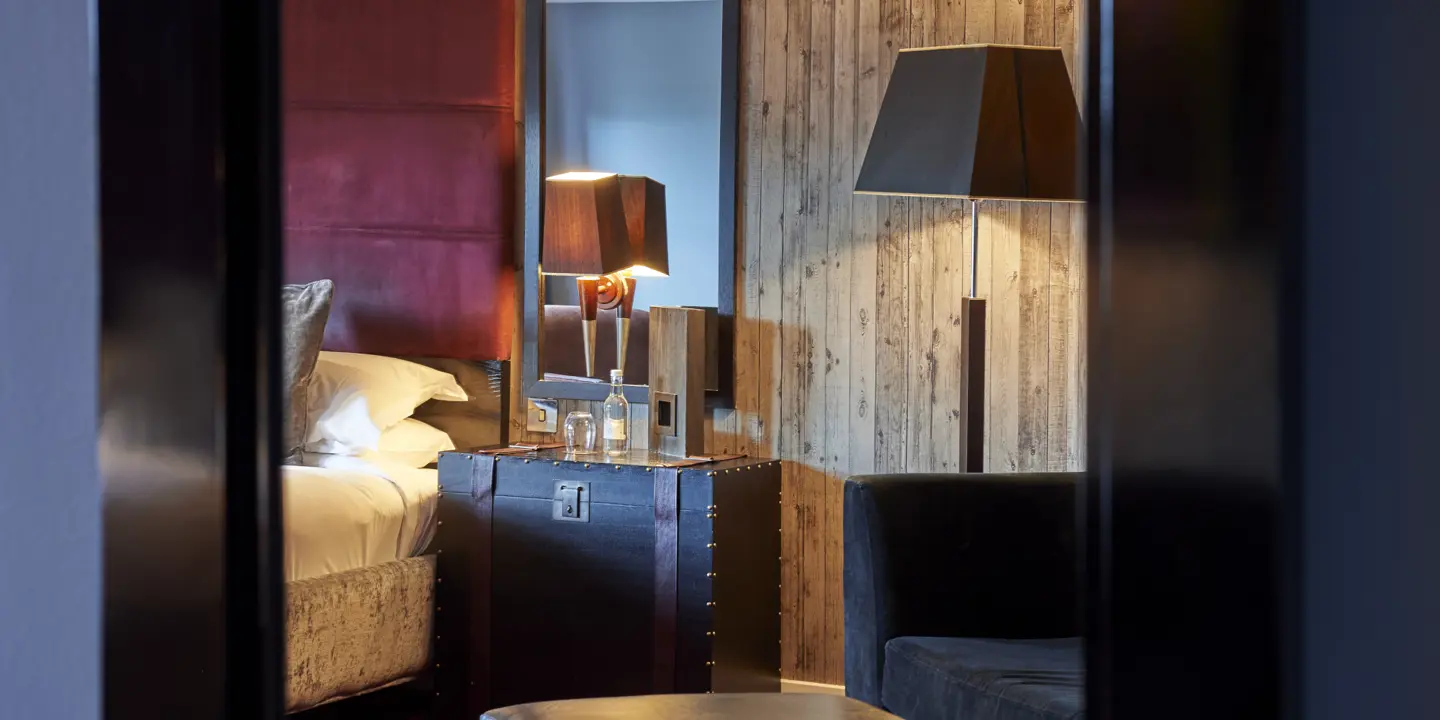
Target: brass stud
(617, 467)
(439, 522)
(439, 580)
(557, 463)
(710, 634)
(709, 663)
(587, 466)
(710, 545)
(709, 474)
(527, 461)
(710, 574)
(710, 604)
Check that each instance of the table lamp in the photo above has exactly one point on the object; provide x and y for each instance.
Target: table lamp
(606, 229)
(976, 122)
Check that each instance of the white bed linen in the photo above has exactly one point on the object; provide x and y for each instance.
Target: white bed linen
(351, 512)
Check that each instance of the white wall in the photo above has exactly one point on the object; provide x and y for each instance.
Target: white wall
(634, 88)
(49, 256)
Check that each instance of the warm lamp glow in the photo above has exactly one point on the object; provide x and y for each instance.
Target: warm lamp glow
(580, 176)
(642, 271)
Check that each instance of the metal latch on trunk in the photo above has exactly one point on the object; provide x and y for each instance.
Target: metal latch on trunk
(572, 501)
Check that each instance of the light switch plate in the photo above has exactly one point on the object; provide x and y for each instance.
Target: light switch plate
(540, 415)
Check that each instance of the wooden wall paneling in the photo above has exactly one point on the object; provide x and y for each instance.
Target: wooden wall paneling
(951, 277)
(893, 216)
(1069, 23)
(920, 329)
(862, 249)
(790, 377)
(747, 266)
(980, 21)
(813, 313)
(838, 321)
(772, 226)
(1036, 238)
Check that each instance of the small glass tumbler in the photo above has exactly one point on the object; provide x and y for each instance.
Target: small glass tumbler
(579, 433)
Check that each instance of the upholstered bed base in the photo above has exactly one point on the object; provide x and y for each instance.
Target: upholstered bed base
(360, 630)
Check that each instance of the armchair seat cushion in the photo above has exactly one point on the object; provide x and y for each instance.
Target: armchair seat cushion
(940, 678)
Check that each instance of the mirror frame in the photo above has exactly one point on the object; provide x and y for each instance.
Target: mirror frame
(532, 212)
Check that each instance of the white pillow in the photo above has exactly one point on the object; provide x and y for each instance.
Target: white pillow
(355, 397)
(409, 442)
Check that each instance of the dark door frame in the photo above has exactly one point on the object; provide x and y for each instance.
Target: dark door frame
(190, 221)
(1196, 181)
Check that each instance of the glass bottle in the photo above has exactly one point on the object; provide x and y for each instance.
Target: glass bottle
(617, 417)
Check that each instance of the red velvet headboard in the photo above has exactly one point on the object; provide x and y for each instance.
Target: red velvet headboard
(400, 171)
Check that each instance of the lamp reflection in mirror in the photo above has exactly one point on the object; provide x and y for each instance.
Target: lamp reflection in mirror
(606, 229)
(976, 122)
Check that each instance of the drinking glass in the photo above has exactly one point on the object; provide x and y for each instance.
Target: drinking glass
(579, 433)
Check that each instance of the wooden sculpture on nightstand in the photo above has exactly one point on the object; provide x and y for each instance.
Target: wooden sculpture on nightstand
(677, 381)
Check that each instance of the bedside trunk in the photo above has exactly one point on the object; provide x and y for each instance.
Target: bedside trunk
(591, 591)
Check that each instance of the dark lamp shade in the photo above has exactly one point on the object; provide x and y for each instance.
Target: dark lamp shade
(644, 201)
(585, 232)
(976, 121)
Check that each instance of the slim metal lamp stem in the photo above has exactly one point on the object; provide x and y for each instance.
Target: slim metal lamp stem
(974, 244)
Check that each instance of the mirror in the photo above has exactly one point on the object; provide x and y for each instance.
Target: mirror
(643, 88)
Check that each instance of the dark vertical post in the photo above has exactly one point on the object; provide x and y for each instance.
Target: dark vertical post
(190, 217)
(1193, 183)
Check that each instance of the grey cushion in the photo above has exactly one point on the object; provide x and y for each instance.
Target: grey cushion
(304, 308)
(930, 678)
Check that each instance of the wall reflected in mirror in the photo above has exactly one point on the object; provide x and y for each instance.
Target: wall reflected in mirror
(637, 88)
(634, 88)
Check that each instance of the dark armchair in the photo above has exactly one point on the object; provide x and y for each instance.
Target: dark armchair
(967, 586)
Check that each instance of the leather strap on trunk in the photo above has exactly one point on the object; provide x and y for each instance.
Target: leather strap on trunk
(667, 575)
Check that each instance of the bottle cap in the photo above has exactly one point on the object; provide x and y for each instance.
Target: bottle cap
(616, 376)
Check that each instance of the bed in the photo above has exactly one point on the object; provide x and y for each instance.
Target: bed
(358, 561)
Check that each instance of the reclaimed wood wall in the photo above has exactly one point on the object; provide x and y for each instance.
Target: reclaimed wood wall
(847, 306)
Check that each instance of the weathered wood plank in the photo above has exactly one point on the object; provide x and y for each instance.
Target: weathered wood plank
(814, 314)
(1062, 341)
(980, 21)
(747, 265)
(1010, 21)
(1033, 434)
(864, 212)
(795, 337)
(891, 401)
(837, 330)
(920, 337)
(951, 237)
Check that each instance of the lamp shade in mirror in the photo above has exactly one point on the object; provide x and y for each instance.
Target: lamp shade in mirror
(585, 226)
(978, 121)
(644, 200)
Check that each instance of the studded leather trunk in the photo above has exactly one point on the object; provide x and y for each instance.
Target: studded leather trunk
(591, 577)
